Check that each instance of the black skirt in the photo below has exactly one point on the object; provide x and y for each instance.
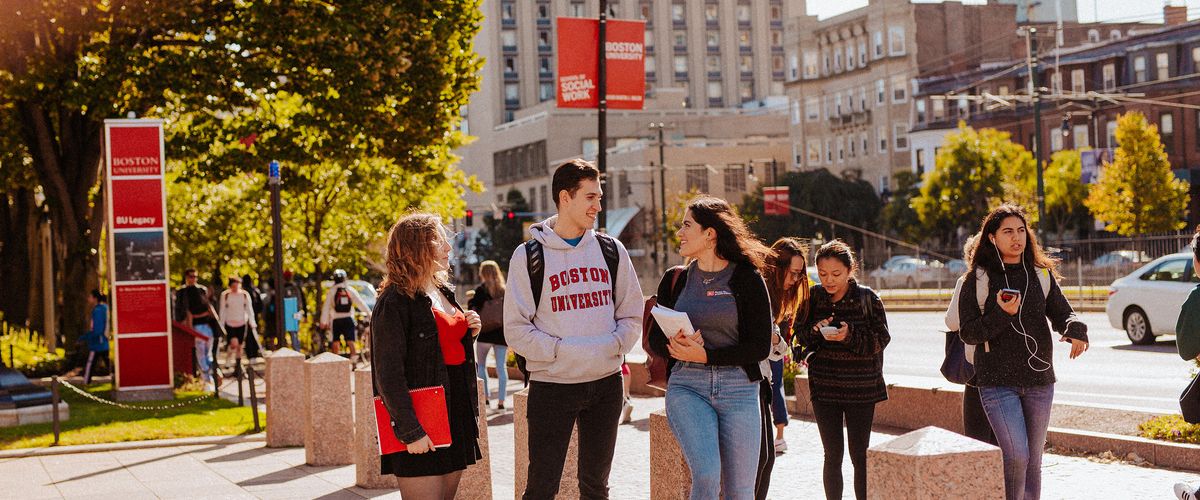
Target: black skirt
(464, 435)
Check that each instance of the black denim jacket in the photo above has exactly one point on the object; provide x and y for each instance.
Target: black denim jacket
(405, 355)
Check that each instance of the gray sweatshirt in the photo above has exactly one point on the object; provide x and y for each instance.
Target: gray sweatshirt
(583, 325)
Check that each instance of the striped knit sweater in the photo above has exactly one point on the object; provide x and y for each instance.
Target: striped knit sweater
(848, 372)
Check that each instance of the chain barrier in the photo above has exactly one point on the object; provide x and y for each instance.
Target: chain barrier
(98, 399)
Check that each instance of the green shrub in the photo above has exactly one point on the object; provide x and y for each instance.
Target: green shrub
(511, 359)
(1170, 428)
(29, 354)
(790, 370)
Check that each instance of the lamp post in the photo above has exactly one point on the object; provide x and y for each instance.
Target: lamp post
(660, 127)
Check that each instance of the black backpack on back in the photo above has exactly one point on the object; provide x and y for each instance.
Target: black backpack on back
(535, 264)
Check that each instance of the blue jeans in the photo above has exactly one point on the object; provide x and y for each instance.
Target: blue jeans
(704, 402)
(204, 362)
(779, 413)
(1020, 416)
(481, 350)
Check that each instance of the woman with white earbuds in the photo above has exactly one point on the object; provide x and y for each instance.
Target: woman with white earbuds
(1014, 367)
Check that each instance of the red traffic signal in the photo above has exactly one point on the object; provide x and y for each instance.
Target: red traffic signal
(469, 217)
(511, 215)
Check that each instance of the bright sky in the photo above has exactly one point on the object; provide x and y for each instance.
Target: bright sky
(1110, 10)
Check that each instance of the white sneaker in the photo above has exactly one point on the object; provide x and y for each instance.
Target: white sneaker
(626, 413)
(780, 446)
(1184, 491)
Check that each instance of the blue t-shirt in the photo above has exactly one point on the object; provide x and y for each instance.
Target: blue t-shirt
(573, 241)
(96, 339)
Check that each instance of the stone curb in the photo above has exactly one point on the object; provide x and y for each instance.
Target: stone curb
(133, 445)
(1158, 453)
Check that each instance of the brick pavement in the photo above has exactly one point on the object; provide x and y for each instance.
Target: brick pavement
(248, 470)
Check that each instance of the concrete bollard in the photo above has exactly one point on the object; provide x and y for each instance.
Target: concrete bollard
(366, 436)
(568, 486)
(329, 416)
(285, 399)
(670, 476)
(476, 482)
(933, 463)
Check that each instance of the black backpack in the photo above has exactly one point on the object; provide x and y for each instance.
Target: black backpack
(535, 263)
(341, 300)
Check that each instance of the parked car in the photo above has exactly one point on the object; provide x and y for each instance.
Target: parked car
(1119, 259)
(910, 274)
(1146, 302)
(956, 268)
(896, 259)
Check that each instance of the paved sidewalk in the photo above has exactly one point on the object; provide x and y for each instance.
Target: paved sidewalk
(249, 470)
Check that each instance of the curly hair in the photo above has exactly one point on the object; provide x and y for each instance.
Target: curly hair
(409, 258)
(735, 241)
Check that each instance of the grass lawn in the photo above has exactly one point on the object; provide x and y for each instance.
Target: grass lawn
(92, 422)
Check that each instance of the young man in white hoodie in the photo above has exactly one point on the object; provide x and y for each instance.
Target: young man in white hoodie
(573, 335)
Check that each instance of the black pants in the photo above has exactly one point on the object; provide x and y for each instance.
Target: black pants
(766, 449)
(858, 419)
(553, 410)
(95, 359)
(975, 422)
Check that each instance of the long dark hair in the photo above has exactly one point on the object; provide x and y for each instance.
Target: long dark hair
(986, 255)
(735, 241)
(788, 303)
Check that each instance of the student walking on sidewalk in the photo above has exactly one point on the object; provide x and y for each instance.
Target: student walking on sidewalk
(492, 289)
(96, 336)
(237, 312)
(716, 373)
(1014, 367)
(844, 337)
(422, 338)
(572, 321)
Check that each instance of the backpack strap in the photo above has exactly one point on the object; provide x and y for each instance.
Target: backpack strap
(612, 257)
(981, 294)
(535, 263)
(1043, 275)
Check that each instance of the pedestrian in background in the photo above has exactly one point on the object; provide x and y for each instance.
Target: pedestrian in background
(422, 338)
(337, 314)
(194, 309)
(844, 335)
(237, 313)
(716, 373)
(97, 336)
(1014, 367)
(788, 286)
(488, 301)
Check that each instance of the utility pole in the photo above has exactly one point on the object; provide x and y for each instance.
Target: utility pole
(277, 243)
(662, 186)
(1031, 44)
(602, 111)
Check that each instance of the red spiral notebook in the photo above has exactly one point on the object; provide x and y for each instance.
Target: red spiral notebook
(429, 403)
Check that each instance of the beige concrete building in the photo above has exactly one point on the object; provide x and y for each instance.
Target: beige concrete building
(851, 78)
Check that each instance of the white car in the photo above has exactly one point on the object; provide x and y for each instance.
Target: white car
(1146, 302)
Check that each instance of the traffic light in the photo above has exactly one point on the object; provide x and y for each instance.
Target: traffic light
(510, 215)
(469, 218)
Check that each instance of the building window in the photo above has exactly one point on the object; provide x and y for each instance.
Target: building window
(794, 107)
(1093, 36)
(743, 13)
(1195, 60)
(825, 61)
(837, 60)
(920, 165)
(1139, 69)
(896, 45)
(939, 110)
(880, 92)
(543, 11)
(511, 93)
(508, 38)
(776, 12)
(899, 89)
(849, 57)
(828, 151)
(678, 12)
(544, 65)
(812, 109)
(794, 67)
(510, 66)
(837, 105)
(920, 111)
(543, 39)
(646, 11)
(862, 53)
(964, 108)
(697, 178)
(649, 39)
(841, 149)
(680, 38)
(1082, 136)
(735, 179)
(814, 152)
(1163, 66)
(710, 12)
(777, 63)
(1110, 77)
(746, 64)
(853, 146)
(878, 44)
(901, 132)
(680, 64)
(545, 91)
(776, 38)
(862, 98)
(712, 64)
(1077, 83)
(866, 145)
(576, 9)
(714, 89)
(743, 38)
(507, 10)
(1166, 130)
(883, 139)
(1056, 82)
(1056, 140)
(650, 65)
(1114, 35)
(746, 91)
(1110, 133)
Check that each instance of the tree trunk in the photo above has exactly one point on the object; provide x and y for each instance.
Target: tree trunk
(17, 220)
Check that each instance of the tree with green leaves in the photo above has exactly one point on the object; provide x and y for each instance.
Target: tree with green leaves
(852, 201)
(379, 80)
(898, 214)
(975, 171)
(501, 235)
(1137, 193)
(1065, 193)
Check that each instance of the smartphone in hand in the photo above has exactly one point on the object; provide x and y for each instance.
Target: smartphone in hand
(1008, 294)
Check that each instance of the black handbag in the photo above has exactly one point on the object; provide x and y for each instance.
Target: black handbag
(1189, 402)
(955, 366)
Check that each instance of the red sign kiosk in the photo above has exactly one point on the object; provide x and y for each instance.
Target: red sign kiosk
(137, 258)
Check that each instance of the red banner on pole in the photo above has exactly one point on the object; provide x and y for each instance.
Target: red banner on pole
(137, 251)
(775, 200)
(578, 66)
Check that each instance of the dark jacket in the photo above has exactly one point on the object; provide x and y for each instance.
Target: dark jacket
(754, 321)
(1187, 329)
(495, 335)
(851, 371)
(1006, 359)
(405, 355)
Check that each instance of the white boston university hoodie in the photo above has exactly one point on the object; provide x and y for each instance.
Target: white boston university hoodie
(583, 324)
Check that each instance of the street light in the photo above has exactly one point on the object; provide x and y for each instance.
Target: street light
(662, 185)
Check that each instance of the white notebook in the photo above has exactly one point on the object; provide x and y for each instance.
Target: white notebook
(671, 321)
